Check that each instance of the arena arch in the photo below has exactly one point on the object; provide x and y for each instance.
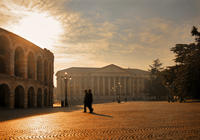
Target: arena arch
(19, 65)
(19, 97)
(39, 97)
(4, 95)
(4, 55)
(39, 68)
(45, 97)
(31, 66)
(31, 97)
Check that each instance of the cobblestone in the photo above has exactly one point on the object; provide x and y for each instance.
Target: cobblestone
(131, 120)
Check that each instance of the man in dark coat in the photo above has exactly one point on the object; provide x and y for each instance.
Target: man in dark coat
(90, 100)
(85, 101)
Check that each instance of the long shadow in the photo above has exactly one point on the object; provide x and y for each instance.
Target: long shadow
(101, 115)
(10, 114)
(193, 101)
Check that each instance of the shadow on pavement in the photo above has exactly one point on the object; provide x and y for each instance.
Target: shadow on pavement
(101, 115)
(192, 101)
(10, 114)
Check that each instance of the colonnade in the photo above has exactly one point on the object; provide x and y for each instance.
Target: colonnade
(105, 86)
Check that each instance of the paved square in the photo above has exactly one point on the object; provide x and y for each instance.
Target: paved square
(131, 120)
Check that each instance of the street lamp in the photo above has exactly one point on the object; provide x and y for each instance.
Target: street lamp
(114, 92)
(67, 79)
(119, 84)
(69, 93)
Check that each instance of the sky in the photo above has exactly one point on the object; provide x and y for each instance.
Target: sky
(96, 33)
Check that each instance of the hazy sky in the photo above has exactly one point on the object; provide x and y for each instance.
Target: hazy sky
(95, 33)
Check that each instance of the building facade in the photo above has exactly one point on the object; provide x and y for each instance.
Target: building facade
(107, 83)
(26, 73)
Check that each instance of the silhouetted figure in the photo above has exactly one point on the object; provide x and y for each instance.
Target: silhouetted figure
(85, 101)
(181, 100)
(88, 99)
(118, 99)
(125, 99)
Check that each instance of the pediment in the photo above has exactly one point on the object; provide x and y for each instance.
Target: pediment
(111, 69)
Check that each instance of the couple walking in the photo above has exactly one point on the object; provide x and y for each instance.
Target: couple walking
(88, 99)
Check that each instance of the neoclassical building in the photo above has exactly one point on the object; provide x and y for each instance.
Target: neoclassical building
(26, 73)
(107, 83)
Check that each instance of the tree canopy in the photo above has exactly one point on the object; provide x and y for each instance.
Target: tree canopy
(184, 78)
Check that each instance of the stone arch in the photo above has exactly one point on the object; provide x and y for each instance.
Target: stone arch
(4, 95)
(4, 55)
(46, 72)
(31, 97)
(31, 66)
(45, 97)
(39, 68)
(19, 65)
(19, 97)
(39, 97)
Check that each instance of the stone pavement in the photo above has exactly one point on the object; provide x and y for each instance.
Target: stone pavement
(131, 120)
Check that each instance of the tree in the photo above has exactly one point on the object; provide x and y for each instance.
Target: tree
(184, 77)
(155, 85)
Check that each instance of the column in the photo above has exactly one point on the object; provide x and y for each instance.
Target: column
(98, 84)
(74, 95)
(25, 97)
(104, 90)
(12, 61)
(129, 86)
(35, 98)
(125, 87)
(120, 86)
(42, 105)
(12, 99)
(115, 86)
(25, 67)
(109, 87)
(92, 83)
(68, 92)
(79, 88)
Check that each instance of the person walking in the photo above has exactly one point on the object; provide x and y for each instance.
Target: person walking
(90, 100)
(85, 101)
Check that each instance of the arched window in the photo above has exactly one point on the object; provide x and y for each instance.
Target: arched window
(31, 66)
(19, 65)
(31, 97)
(4, 95)
(19, 97)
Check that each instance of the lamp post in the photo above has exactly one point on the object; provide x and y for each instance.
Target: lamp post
(119, 84)
(114, 92)
(69, 93)
(67, 80)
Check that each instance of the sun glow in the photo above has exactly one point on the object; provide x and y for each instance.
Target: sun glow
(41, 29)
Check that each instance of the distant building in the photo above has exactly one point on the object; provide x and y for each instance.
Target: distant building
(26, 73)
(107, 83)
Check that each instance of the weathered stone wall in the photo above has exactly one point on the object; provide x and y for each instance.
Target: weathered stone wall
(26, 73)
